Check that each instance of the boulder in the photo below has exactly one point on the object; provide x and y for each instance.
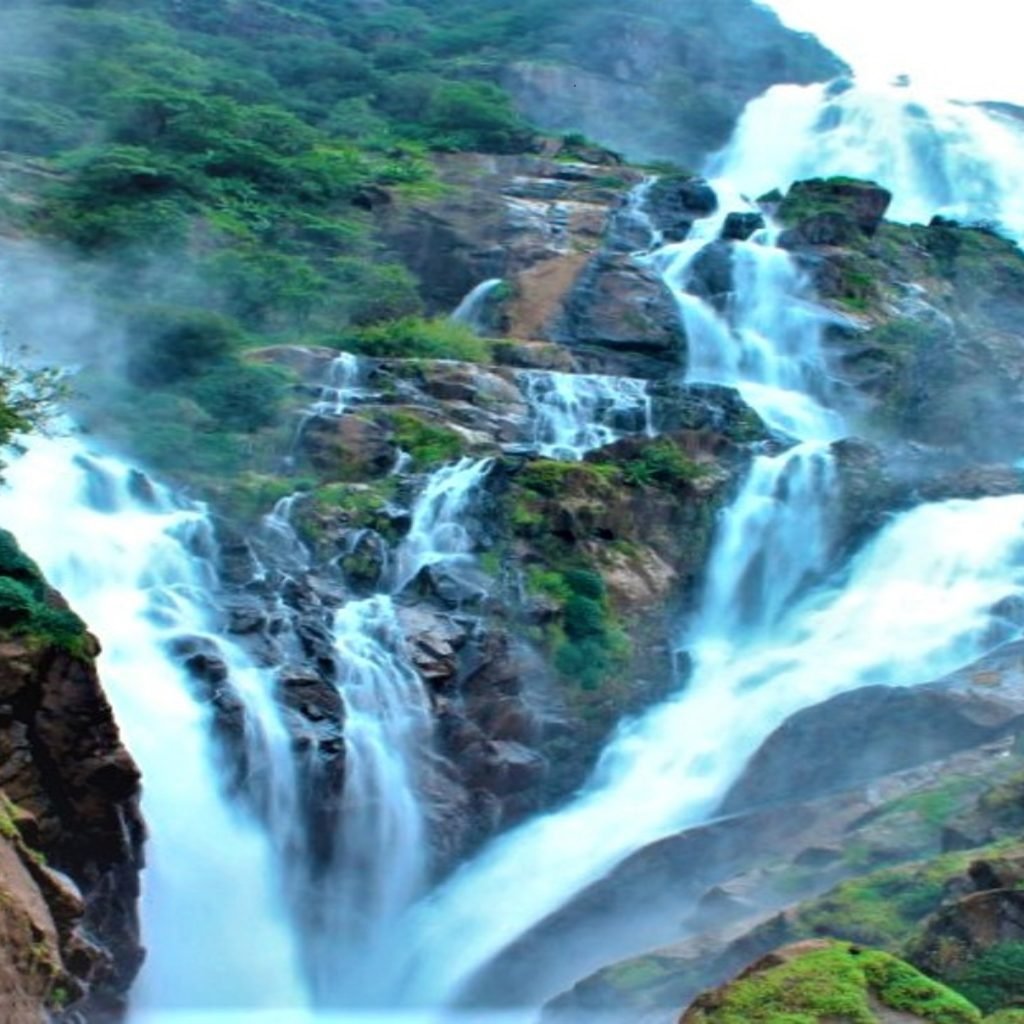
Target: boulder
(877, 729)
(832, 211)
(738, 227)
(619, 305)
(348, 447)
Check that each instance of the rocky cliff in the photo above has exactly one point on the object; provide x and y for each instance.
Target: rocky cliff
(662, 83)
(70, 830)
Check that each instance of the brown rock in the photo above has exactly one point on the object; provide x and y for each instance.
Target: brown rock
(348, 447)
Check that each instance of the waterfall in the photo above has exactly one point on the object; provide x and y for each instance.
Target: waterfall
(438, 533)
(937, 156)
(779, 628)
(574, 413)
(767, 343)
(472, 310)
(125, 557)
(914, 604)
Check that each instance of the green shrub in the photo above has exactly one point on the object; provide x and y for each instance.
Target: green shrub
(242, 396)
(412, 337)
(168, 343)
(16, 602)
(661, 464)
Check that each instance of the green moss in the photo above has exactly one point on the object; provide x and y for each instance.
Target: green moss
(636, 974)
(586, 644)
(426, 443)
(816, 197)
(8, 813)
(883, 908)
(936, 806)
(359, 505)
(247, 496)
(837, 983)
(553, 479)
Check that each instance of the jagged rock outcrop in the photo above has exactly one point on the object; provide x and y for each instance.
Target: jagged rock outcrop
(70, 829)
(927, 334)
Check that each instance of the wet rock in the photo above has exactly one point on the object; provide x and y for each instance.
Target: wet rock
(739, 227)
(711, 273)
(617, 304)
(502, 767)
(964, 930)
(348, 447)
(75, 790)
(832, 211)
(308, 693)
(435, 640)
(365, 561)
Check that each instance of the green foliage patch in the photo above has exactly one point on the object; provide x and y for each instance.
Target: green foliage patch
(27, 607)
(413, 337)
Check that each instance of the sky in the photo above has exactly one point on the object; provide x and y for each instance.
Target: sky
(962, 49)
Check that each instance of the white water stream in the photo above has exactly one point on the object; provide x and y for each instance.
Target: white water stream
(776, 632)
(574, 413)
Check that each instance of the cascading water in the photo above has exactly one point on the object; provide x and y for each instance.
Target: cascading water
(472, 310)
(340, 388)
(775, 631)
(212, 915)
(384, 858)
(767, 343)
(778, 628)
(936, 156)
(575, 413)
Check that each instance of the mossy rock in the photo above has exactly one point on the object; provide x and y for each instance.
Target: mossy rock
(826, 982)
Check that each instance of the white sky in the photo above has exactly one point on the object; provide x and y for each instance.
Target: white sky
(962, 49)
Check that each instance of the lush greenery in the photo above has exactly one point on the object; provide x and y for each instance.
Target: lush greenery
(995, 978)
(415, 337)
(215, 167)
(29, 608)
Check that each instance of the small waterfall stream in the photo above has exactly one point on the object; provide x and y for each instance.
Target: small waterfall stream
(574, 413)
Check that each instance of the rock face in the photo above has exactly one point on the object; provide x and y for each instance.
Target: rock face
(874, 730)
(663, 83)
(70, 793)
